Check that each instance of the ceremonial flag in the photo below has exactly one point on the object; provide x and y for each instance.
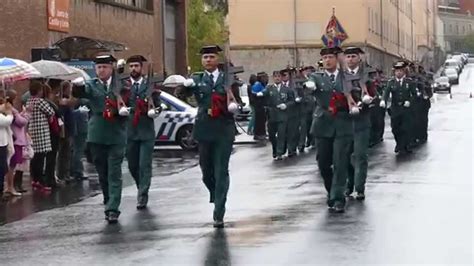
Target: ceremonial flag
(335, 33)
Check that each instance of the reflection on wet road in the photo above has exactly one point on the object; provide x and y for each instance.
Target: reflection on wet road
(166, 161)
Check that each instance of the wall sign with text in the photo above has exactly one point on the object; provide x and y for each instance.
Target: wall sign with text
(58, 15)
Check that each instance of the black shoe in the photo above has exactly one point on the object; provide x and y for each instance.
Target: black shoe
(339, 208)
(360, 196)
(397, 150)
(348, 192)
(112, 217)
(301, 150)
(141, 207)
(278, 158)
(293, 154)
(219, 224)
(408, 150)
(331, 209)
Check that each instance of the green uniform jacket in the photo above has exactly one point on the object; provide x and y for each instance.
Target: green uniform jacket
(205, 127)
(325, 124)
(100, 130)
(400, 94)
(354, 83)
(274, 98)
(145, 129)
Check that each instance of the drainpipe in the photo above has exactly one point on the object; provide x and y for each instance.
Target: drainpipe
(163, 34)
(382, 24)
(295, 45)
(398, 26)
(413, 56)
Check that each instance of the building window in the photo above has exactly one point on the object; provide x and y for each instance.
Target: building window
(470, 28)
(136, 4)
(457, 29)
(463, 30)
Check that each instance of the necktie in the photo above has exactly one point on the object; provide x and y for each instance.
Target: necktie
(105, 87)
(332, 78)
(136, 85)
(211, 76)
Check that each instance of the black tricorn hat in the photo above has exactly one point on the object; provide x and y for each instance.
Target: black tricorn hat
(105, 59)
(210, 49)
(333, 50)
(136, 59)
(400, 65)
(353, 50)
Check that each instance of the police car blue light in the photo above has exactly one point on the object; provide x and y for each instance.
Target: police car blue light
(175, 124)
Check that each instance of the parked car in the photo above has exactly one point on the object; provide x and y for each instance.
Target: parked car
(451, 63)
(452, 75)
(442, 84)
(175, 124)
(460, 59)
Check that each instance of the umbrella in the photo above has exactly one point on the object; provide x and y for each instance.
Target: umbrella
(14, 69)
(81, 79)
(174, 81)
(55, 70)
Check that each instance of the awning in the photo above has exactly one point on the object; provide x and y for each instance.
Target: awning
(78, 47)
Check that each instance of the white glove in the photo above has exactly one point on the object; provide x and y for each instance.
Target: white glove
(189, 83)
(367, 99)
(382, 104)
(282, 106)
(418, 94)
(354, 110)
(153, 113)
(298, 99)
(259, 94)
(310, 85)
(406, 104)
(233, 108)
(124, 111)
(83, 109)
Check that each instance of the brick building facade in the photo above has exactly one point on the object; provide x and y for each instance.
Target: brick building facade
(153, 28)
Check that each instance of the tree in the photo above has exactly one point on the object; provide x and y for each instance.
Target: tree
(205, 26)
(467, 43)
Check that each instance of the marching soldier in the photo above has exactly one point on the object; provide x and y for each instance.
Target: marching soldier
(403, 90)
(214, 128)
(107, 132)
(293, 115)
(307, 109)
(422, 105)
(356, 78)
(377, 113)
(141, 128)
(332, 128)
(279, 99)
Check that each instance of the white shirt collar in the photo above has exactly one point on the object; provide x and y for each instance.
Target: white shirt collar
(137, 81)
(356, 70)
(335, 73)
(109, 81)
(400, 80)
(215, 74)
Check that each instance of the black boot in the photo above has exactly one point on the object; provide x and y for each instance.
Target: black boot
(18, 182)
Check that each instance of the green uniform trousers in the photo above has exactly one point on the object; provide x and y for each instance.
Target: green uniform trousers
(214, 159)
(402, 129)
(277, 136)
(360, 156)
(334, 153)
(305, 138)
(108, 163)
(139, 157)
(292, 134)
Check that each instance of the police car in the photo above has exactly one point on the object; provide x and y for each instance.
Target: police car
(175, 123)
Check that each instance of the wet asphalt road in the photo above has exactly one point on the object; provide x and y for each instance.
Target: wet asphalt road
(418, 210)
